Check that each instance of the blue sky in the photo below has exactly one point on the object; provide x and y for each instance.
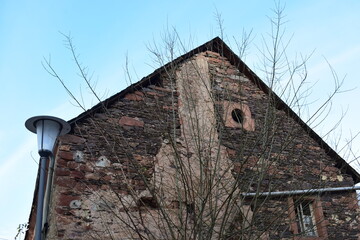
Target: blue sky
(105, 32)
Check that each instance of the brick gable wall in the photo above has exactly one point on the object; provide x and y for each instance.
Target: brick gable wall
(113, 155)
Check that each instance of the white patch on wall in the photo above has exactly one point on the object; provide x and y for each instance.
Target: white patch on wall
(102, 162)
(75, 204)
(79, 156)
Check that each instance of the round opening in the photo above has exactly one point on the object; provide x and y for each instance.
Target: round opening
(237, 115)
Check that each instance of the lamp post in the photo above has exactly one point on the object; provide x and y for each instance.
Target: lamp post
(47, 129)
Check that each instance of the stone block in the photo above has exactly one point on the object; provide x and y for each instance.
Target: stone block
(64, 200)
(129, 121)
(65, 155)
(133, 97)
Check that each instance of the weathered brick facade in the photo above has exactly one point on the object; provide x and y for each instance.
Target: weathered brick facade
(154, 159)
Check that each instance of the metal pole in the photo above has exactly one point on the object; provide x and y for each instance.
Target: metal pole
(48, 190)
(297, 192)
(40, 200)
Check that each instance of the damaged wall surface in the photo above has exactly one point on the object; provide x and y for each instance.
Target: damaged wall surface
(169, 160)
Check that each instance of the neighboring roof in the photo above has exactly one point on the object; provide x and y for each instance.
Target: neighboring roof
(217, 45)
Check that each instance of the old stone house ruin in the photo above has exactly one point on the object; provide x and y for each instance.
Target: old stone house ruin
(199, 149)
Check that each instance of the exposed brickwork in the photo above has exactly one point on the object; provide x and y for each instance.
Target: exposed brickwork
(137, 96)
(297, 156)
(340, 220)
(127, 121)
(112, 154)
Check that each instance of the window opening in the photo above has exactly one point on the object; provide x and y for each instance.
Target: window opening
(305, 219)
(237, 115)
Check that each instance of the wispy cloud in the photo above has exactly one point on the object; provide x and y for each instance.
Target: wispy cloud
(15, 159)
(14, 174)
(343, 57)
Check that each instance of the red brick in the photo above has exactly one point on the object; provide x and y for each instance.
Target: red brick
(86, 168)
(61, 211)
(61, 163)
(139, 93)
(353, 204)
(215, 60)
(315, 148)
(330, 169)
(133, 97)
(65, 155)
(64, 200)
(92, 176)
(73, 165)
(160, 88)
(231, 152)
(128, 121)
(62, 172)
(155, 94)
(232, 71)
(79, 187)
(65, 148)
(106, 178)
(60, 233)
(211, 54)
(77, 174)
(68, 138)
(64, 181)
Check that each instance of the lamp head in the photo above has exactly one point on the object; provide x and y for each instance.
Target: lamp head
(47, 129)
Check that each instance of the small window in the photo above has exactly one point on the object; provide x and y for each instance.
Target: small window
(237, 115)
(305, 219)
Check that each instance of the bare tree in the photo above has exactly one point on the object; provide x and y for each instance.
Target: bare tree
(206, 167)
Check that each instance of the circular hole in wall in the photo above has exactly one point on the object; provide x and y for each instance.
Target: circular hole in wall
(237, 115)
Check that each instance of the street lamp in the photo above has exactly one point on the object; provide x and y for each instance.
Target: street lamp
(47, 129)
